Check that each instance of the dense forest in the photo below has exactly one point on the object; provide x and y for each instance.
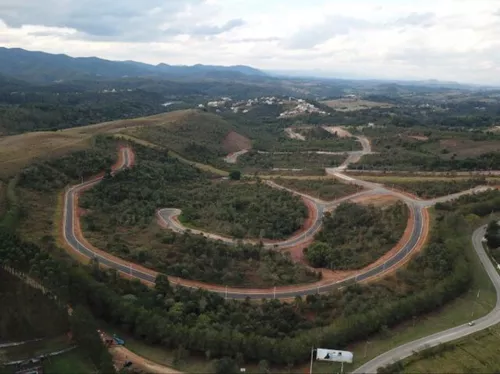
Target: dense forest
(354, 236)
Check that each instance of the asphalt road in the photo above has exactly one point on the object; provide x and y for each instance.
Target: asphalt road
(76, 244)
(485, 322)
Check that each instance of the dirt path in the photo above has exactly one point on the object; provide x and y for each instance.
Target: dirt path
(294, 135)
(121, 355)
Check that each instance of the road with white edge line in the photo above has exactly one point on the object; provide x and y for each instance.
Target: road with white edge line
(491, 319)
(416, 206)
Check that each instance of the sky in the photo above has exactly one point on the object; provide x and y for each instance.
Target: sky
(456, 40)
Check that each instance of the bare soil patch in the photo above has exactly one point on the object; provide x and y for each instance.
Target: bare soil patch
(422, 138)
(468, 148)
(234, 142)
(341, 133)
(376, 200)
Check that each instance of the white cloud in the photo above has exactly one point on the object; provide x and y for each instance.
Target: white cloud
(445, 39)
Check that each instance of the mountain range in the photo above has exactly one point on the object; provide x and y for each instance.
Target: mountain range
(41, 67)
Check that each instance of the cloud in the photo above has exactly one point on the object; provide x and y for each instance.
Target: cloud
(125, 20)
(327, 29)
(389, 39)
(417, 19)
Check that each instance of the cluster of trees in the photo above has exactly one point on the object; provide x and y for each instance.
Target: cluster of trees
(195, 257)
(325, 189)
(493, 239)
(279, 333)
(57, 173)
(354, 236)
(479, 204)
(436, 188)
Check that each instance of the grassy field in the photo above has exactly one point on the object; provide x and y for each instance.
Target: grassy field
(69, 363)
(478, 353)
(348, 105)
(325, 189)
(18, 151)
(198, 165)
(197, 136)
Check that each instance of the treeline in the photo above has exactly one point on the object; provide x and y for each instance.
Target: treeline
(278, 333)
(354, 236)
(57, 173)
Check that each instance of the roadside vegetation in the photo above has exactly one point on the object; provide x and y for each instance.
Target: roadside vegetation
(431, 189)
(354, 236)
(477, 353)
(325, 189)
(254, 161)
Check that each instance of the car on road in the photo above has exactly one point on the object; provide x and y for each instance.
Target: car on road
(472, 323)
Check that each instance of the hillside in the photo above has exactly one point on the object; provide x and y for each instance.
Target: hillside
(196, 135)
(46, 67)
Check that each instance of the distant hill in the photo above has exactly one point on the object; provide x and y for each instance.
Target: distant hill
(44, 67)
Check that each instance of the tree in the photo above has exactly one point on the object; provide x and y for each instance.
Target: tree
(226, 365)
(235, 175)
(493, 234)
(162, 284)
(84, 328)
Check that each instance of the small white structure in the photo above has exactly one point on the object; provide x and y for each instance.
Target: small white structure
(333, 355)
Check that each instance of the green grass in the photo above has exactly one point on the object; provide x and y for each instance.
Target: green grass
(478, 353)
(73, 362)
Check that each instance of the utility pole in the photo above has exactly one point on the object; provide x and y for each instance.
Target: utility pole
(311, 366)
(226, 292)
(275, 292)
(366, 347)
